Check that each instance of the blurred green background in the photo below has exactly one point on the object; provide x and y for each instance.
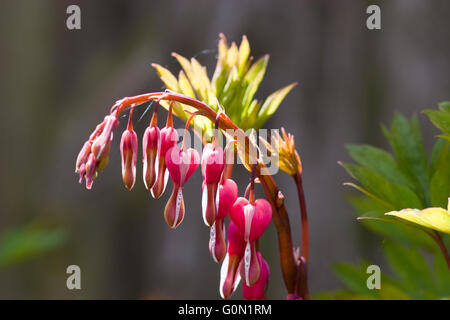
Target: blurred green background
(57, 84)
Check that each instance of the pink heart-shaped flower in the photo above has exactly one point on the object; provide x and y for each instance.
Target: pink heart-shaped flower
(213, 163)
(228, 192)
(251, 219)
(181, 164)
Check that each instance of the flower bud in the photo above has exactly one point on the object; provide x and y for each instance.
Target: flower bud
(80, 166)
(100, 146)
(150, 152)
(258, 290)
(168, 138)
(128, 151)
(90, 171)
(94, 154)
(229, 275)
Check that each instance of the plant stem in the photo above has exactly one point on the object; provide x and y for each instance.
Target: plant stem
(303, 290)
(437, 237)
(273, 195)
(303, 214)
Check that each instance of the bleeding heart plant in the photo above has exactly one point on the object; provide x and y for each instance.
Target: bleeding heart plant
(225, 104)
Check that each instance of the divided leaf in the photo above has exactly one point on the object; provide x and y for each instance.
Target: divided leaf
(396, 195)
(406, 142)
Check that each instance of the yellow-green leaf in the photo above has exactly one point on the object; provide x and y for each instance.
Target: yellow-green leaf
(167, 77)
(203, 85)
(185, 85)
(433, 218)
(244, 52)
(273, 101)
(233, 55)
(186, 65)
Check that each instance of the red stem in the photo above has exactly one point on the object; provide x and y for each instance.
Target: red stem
(280, 217)
(303, 289)
(303, 214)
(437, 237)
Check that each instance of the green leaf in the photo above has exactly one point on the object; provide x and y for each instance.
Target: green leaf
(379, 161)
(244, 53)
(20, 244)
(440, 119)
(355, 279)
(444, 106)
(397, 195)
(398, 230)
(436, 154)
(441, 276)
(391, 291)
(412, 269)
(406, 142)
(340, 295)
(221, 72)
(440, 181)
(364, 204)
(252, 80)
(271, 104)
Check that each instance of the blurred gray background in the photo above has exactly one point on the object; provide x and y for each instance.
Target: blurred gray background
(57, 84)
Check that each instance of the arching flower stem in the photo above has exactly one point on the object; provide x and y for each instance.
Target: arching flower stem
(273, 195)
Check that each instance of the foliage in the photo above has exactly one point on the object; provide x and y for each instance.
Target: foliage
(405, 178)
(23, 243)
(234, 84)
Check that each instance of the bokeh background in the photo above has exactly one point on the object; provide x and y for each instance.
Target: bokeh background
(57, 84)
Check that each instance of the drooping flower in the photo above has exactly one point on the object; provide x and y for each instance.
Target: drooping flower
(180, 165)
(94, 154)
(252, 218)
(80, 166)
(90, 171)
(213, 163)
(227, 195)
(229, 272)
(100, 146)
(168, 139)
(258, 290)
(150, 152)
(128, 152)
